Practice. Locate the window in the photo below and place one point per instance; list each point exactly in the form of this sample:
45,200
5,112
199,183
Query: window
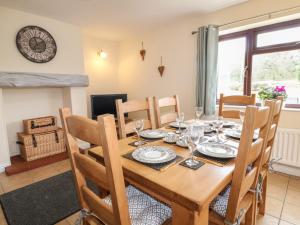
232,67
264,56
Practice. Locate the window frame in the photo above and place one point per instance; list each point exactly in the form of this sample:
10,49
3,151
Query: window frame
252,49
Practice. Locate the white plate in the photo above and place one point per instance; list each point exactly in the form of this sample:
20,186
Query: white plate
228,124
152,134
182,143
218,150
154,154
236,133
176,125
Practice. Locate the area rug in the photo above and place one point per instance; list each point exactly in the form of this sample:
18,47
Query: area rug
43,203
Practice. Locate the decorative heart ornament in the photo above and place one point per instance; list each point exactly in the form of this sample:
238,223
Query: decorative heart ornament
143,52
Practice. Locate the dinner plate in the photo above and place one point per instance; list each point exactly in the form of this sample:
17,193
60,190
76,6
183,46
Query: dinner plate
152,134
183,142
236,133
176,125
153,154
218,150
229,124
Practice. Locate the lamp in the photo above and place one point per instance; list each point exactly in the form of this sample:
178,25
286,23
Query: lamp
102,54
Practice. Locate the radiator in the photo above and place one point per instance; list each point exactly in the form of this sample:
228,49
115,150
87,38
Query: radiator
287,147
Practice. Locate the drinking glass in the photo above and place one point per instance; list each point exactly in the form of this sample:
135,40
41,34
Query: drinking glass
242,116
198,113
138,127
195,133
179,120
217,125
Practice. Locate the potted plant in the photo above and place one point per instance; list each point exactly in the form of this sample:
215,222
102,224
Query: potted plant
267,93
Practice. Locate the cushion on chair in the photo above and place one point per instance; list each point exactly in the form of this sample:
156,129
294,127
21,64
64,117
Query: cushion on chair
143,209
219,204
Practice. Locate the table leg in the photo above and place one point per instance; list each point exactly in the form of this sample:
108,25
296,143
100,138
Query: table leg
182,215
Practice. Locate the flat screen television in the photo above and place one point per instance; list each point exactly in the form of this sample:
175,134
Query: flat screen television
102,104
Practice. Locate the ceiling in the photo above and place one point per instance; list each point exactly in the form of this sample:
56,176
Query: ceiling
117,19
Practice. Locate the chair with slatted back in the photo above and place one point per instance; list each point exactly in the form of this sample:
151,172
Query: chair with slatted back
123,206
167,117
267,154
134,106
234,100
238,200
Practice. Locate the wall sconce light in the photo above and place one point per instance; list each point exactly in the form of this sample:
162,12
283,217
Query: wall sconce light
102,54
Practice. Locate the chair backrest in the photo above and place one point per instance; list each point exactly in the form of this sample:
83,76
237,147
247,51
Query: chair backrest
273,129
245,178
168,117
234,100
134,106
109,177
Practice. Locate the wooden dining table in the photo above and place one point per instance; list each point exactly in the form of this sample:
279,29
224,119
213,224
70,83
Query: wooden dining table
188,192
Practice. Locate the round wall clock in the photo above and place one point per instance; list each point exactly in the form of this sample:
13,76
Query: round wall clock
36,44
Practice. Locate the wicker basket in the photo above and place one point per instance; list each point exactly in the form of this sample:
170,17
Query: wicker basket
36,146
40,125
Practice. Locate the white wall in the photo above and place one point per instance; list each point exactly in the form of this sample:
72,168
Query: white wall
69,56
178,48
103,73
26,103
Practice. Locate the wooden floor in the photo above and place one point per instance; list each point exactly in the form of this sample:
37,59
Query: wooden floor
283,201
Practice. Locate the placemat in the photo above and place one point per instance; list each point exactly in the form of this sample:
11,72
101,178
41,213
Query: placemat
218,160
195,167
144,142
158,166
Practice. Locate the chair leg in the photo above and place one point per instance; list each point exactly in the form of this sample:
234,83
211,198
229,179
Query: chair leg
262,204
250,218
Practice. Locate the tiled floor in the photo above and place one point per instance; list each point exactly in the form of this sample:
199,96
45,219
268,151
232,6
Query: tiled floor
283,196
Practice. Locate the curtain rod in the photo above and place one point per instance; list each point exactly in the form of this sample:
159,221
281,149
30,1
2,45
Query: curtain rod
255,17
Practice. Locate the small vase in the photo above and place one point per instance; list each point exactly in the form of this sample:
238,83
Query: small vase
262,103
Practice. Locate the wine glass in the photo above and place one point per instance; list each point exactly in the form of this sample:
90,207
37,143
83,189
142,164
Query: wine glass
138,127
179,120
218,125
195,133
242,116
198,113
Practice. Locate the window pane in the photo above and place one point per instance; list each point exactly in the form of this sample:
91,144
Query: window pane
231,61
278,37
278,69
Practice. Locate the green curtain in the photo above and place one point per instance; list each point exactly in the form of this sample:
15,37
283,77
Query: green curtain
207,56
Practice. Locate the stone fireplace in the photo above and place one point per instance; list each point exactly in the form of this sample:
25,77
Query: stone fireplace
49,91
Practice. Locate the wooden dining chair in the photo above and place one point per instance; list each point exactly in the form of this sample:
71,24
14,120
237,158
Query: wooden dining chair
124,205
268,151
238,201
168,117
237,100
123,108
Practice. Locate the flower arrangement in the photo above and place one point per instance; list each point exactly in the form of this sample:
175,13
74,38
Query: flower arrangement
266,93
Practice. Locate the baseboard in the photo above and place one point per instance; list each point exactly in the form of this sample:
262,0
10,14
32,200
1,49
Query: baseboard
290,170
2,166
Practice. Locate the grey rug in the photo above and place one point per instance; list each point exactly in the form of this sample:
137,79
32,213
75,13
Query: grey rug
43,203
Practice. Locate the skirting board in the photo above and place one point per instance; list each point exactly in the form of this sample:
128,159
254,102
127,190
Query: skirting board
2,166
295,171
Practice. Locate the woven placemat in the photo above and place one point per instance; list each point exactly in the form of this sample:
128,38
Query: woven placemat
218,160
157,166
145,141
195,167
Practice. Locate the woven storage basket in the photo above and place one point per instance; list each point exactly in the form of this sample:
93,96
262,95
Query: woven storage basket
36,146
40,125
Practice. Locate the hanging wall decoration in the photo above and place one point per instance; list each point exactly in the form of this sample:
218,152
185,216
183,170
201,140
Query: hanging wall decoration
143,52
161,68
36,44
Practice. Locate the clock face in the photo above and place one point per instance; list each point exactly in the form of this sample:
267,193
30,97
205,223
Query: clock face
36,44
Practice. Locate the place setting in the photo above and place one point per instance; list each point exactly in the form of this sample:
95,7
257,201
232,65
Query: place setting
154,156
145,136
